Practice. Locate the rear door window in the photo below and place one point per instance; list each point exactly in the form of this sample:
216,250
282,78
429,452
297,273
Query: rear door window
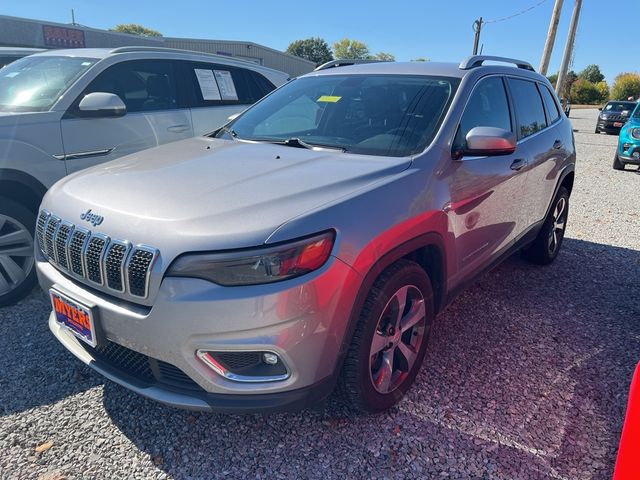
552,108
528,106
487,107
211,84
143,85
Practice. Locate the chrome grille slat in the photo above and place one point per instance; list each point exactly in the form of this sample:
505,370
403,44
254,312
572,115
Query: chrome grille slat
138,269
60,246
114,265
76,248
43,217
93,257
49,236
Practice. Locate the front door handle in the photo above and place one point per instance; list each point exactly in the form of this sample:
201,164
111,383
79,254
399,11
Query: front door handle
518,163
178,128
558,145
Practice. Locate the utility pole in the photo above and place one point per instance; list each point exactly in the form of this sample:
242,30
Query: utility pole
551,37
73,17
477,27
568,49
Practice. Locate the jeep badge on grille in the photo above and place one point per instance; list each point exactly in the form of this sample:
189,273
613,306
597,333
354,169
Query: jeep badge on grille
92,218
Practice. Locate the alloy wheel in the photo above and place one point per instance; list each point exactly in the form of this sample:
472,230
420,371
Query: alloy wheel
16,254
559,224
398,337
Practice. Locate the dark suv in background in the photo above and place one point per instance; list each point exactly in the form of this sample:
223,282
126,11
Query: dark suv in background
613,116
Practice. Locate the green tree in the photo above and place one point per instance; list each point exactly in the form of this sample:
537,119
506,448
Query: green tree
135,29
592,73
385,57
584,92
603,89
315,49
626,85
553,79
347,48
421,59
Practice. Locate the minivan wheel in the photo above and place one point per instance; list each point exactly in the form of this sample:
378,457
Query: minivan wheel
617,164
17,272
544,249
390,340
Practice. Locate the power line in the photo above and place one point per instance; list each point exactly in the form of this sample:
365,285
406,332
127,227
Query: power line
509,17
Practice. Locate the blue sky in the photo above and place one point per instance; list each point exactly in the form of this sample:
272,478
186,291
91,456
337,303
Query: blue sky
437,29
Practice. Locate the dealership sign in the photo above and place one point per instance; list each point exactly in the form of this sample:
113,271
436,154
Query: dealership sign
62,37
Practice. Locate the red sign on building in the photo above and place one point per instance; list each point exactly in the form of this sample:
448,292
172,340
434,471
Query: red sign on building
62,37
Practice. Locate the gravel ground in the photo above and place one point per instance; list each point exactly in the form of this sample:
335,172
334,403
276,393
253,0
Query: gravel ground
527,377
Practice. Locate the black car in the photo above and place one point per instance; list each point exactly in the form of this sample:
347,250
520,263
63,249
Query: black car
613,116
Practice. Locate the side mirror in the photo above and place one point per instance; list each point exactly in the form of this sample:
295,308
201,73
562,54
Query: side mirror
487,141
102,104
600,108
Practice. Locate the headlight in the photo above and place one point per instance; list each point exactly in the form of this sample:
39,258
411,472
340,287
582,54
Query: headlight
257,266
604,116
635,133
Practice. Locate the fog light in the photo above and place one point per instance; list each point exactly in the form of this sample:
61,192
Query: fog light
270,358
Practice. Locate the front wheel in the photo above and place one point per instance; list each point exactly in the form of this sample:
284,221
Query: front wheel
544,249
17,265
617,164
390,340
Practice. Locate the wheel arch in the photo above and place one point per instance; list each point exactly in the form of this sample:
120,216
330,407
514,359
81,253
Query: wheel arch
22,188
428,251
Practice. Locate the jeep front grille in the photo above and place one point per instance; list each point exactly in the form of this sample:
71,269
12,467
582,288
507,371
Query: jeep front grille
91,256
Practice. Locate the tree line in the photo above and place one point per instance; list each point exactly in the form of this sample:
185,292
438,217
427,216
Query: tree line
590,88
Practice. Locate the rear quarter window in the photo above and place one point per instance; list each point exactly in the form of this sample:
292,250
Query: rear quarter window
552,107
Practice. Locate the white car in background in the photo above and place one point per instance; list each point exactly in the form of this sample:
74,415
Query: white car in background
65,110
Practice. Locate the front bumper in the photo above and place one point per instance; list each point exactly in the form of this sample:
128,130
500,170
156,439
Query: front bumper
609,125
303,320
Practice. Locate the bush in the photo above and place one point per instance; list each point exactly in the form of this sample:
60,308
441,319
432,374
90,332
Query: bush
626,85
603,89
585,92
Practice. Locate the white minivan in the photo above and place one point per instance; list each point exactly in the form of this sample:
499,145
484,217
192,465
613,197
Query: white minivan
65,110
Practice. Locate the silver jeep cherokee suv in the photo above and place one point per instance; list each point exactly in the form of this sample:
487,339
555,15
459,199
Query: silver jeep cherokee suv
310,242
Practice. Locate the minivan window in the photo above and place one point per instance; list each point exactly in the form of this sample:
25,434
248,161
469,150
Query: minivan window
487,107
528,106
143,85
549,103
35,83
393,115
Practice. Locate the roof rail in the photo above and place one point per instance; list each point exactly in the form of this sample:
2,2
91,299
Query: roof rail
144,48
477,61
344,62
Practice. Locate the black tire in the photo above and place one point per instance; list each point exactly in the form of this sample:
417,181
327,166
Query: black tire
544,249
597,131
617,164
25,217
356,385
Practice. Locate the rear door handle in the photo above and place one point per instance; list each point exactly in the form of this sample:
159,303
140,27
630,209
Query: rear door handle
518,163
558,145
178,128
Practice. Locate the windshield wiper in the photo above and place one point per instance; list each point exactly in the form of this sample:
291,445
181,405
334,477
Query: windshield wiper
296,142
232,133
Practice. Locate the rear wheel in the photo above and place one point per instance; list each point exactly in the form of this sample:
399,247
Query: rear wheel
617,164
544,249
390,340
17,264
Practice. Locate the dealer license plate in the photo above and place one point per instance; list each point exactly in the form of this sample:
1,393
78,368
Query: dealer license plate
75,316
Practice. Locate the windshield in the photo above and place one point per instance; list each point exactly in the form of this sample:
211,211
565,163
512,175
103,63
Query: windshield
619,106
34,84
394,115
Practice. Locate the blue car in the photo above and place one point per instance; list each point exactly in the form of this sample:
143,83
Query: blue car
628,151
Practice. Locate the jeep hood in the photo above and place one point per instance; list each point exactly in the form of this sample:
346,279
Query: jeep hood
210,194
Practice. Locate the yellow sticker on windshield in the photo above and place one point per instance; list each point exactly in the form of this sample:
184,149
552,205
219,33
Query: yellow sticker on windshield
328,98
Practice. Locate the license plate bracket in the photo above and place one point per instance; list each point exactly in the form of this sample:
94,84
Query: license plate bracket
618,124
76,316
